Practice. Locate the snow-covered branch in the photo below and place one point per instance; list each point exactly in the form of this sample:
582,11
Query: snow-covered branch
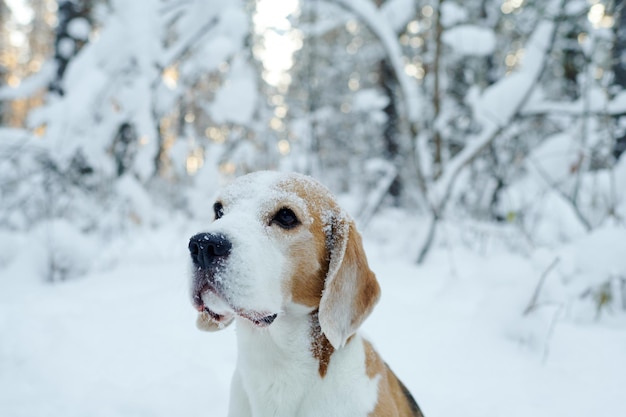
498,106
598,104
191,38
388,174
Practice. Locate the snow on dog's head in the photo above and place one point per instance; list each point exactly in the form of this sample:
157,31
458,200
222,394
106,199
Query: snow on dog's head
280,245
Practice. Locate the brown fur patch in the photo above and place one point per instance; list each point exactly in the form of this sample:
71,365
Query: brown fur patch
310,266
320,346
368,290
394,400
310,257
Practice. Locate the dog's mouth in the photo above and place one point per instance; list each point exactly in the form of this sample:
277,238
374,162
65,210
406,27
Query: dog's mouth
258,319
209,300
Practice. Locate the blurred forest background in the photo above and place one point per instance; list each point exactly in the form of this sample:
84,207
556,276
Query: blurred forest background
117,115
479,144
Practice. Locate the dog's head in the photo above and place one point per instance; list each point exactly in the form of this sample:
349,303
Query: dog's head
280,245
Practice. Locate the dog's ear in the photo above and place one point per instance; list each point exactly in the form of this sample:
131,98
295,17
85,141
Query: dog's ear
208,324
350,289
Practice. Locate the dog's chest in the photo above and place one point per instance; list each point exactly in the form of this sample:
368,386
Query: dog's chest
275,378
288,384
276,392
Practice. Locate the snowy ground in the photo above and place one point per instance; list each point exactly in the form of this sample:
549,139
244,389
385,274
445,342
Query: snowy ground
122,341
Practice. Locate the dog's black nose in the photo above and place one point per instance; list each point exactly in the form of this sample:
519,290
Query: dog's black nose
208,249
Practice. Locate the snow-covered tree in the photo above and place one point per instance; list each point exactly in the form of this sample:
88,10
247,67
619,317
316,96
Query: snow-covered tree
98,152
448,108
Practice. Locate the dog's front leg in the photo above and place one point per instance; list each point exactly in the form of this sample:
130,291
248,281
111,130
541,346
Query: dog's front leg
239,403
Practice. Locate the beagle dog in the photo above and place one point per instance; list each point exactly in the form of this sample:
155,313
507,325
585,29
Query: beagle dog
286,263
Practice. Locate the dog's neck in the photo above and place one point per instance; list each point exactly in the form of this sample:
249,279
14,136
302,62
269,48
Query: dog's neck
286,364
290,369
290,339
276,364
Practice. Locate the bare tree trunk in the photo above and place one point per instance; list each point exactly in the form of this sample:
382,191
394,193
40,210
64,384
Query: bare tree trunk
619,48
390,131
619,64
438,162
314,162
389,85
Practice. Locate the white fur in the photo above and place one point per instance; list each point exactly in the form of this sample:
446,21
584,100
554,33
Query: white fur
277,375
252,276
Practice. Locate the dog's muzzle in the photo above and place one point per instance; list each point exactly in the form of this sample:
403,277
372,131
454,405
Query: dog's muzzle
209,252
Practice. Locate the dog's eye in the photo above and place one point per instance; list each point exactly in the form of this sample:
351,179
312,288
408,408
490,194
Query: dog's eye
218,209
286,218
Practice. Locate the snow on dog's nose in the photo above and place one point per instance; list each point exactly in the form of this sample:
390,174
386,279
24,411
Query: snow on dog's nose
208,250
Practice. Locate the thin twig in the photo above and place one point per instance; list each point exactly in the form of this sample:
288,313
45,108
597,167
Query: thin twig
579,214
430,237
546,346
532,304
375,199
